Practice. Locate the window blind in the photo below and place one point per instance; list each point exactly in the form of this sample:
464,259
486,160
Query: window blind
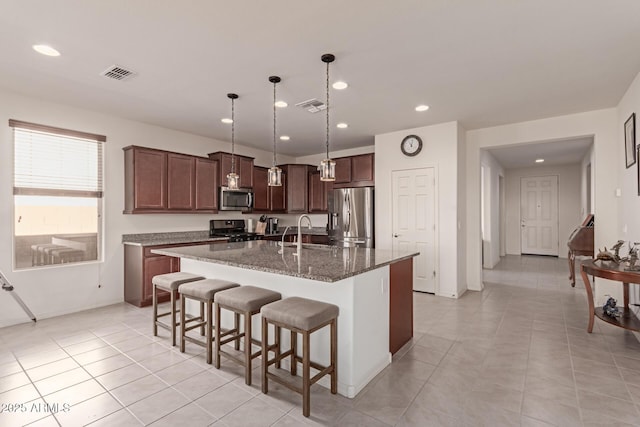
55,163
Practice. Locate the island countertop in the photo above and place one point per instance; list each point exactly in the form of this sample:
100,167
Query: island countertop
319,262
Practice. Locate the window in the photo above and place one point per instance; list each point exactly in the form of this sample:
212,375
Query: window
57,194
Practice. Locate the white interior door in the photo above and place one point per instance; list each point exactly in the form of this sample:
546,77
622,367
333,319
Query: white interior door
539,215
414,222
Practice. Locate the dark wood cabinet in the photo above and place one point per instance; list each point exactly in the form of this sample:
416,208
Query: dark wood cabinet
180,182
318,193
355,171
145,176
400,304
266,198
243,166
206,185
296,188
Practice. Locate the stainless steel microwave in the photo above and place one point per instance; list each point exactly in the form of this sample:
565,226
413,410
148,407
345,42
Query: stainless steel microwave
236,200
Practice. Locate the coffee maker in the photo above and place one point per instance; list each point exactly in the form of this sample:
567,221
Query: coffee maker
272,225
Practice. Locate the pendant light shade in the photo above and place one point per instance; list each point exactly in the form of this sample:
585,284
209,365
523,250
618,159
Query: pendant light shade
232,177
275,173
327,166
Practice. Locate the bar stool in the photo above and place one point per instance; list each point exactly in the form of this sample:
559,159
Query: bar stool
245,301
169,282
300,316
203,291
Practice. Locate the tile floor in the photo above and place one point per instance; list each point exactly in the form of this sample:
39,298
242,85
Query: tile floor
515,354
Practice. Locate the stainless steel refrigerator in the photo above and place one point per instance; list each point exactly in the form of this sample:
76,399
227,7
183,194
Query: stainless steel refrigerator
350,218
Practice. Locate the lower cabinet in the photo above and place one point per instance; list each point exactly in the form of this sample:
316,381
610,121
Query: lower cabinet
140,265
400,304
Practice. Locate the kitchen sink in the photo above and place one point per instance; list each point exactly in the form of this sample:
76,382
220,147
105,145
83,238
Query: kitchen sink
313,246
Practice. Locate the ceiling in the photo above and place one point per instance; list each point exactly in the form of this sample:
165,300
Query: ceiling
560,152
481,62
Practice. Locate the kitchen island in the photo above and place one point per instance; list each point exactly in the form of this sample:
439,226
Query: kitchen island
375,309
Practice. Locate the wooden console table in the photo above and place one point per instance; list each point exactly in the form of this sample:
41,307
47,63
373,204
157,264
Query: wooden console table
611,271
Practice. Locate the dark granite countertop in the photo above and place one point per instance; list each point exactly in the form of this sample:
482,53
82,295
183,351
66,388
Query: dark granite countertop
316,231
319,262
153,239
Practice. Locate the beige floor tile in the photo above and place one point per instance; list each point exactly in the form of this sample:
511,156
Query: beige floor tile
11,367
190,415
254,413
75,394
138,389
602,384
121,418
95,355
89,411
32,360
162,360
25,393
201,384
420,414
107,365
179,372
122,376
609,407
156,406
223,400
83,347
51,369
550,411
485,414
24,413
49,421
60,381
548,389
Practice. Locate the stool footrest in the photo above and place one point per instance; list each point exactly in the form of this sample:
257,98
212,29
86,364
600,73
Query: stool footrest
287,383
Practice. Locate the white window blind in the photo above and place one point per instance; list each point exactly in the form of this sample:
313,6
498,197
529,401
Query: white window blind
56,162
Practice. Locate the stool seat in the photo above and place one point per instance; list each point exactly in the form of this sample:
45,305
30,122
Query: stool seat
172,281
205,289
246,298
301,313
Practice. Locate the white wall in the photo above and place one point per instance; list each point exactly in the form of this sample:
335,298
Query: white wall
493,171
462,212
569,201
588,159
600,124
57,290
440,150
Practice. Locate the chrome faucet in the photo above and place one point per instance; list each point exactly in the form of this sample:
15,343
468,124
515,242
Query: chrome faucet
299,243
281,251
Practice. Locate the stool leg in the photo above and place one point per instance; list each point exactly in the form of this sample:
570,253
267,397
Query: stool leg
334,356
202,318
182,320
217,344
236,327
294,350
154,299
247,347
306,375
209,331
277,351
265,355
173,317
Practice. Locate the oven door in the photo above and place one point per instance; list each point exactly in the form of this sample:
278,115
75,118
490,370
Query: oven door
236,200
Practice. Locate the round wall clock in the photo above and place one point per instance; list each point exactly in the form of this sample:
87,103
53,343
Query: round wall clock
411,145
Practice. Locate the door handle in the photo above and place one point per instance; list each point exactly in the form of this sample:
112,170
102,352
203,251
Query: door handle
395,235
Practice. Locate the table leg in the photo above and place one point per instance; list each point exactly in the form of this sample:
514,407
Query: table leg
625,298
587,286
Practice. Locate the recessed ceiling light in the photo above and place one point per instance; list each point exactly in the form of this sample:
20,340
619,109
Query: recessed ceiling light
45,50
226,120
422,107
284,138
539,160
340,85
281,104
342,125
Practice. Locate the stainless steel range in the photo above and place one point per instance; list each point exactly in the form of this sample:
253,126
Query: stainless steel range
233,229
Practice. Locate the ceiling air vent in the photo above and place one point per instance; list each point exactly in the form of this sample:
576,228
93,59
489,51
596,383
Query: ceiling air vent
312,105
117,72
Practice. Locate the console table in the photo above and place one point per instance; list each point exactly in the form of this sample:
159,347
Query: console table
611,271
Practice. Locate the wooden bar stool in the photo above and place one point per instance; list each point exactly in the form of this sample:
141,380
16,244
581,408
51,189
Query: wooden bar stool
300,316
169,282
245,301
203,291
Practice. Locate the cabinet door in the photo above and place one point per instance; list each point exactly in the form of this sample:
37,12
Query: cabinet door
297,188
225,168
150,177
157,265
317,201
260,189
206,182
278,196
180,183
343,170
362,168
245,171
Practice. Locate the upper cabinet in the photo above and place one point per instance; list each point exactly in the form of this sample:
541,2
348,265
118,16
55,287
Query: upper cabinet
266,198
318,192
355,171
158,181
243,166
296,188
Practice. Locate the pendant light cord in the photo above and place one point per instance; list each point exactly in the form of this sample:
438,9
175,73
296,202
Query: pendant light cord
274,124
327,110
233,140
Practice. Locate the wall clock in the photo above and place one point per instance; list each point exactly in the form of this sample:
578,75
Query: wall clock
411,145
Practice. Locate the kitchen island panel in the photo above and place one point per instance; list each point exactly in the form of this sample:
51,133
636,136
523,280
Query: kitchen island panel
363,323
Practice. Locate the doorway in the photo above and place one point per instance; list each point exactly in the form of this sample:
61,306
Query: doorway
414,222
539,215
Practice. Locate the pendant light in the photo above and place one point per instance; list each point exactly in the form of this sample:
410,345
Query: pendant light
275,173
232,177
327,166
